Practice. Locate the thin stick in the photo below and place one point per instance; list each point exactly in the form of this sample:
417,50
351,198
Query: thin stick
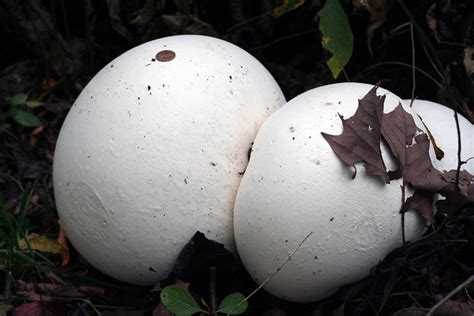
413,76
458,168
398,63
283,38
345,75
447,297
274,272
258,17
403,186
370,303
17,182
436,62
212,290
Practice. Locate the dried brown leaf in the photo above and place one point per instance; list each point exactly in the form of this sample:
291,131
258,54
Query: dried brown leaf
378,11
64,249
360,139
147,13
422,202
30,309
464,182
419,170
455,308
398,130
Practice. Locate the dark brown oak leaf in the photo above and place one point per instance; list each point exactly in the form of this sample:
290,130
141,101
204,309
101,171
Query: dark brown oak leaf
419,170
464,182
398,130
360,139
422,202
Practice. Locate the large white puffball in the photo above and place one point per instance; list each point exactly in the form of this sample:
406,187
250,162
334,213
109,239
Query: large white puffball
441,123
295,185
153,150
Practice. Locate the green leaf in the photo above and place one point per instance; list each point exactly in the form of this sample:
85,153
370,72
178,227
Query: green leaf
19,99
26,119
284,6
230,304
179,301
337,35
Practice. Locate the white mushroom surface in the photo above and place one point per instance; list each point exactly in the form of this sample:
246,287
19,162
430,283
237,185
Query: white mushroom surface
442,125
295,185
153,150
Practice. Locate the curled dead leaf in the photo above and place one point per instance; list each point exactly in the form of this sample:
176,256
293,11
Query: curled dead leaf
64,249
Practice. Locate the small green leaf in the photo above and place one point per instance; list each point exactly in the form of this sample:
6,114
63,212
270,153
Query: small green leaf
230,304
19,99
26,119
284,6
179,301
337,35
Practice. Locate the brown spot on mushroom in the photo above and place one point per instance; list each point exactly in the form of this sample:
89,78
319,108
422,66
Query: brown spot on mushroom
165,55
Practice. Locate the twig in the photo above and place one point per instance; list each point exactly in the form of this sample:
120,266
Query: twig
414,299
409,309
258,17
436,62
398,63
458,168
447,297
273,273
399,29
212,290
413,76
17,182
283,38
466,291
440,41
403,187
66,22
345,75
370,303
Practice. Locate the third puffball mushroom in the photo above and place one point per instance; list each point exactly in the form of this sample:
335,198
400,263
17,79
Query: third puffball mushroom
295,185
440,121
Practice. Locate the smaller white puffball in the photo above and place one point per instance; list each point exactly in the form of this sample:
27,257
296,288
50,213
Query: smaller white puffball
441,123
295,184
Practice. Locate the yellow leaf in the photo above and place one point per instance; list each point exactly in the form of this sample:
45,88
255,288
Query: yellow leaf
40,243
326,39
283,6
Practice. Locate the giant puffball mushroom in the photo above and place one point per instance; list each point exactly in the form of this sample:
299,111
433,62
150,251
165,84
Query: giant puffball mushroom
295,185
153,150
442,125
